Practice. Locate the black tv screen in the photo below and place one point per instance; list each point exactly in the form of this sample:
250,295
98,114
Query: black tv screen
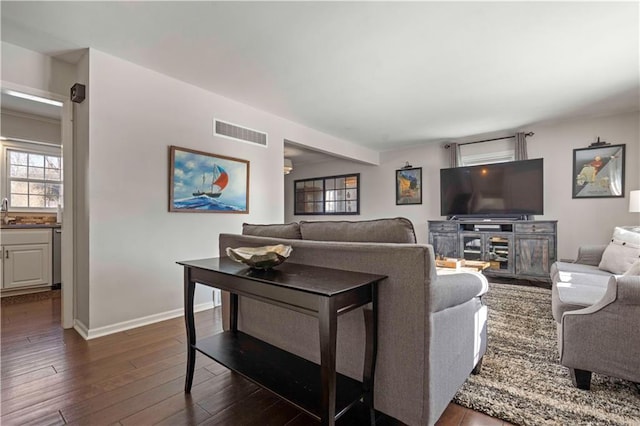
500,189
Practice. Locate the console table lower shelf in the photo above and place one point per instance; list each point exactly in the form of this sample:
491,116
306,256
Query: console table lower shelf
291,377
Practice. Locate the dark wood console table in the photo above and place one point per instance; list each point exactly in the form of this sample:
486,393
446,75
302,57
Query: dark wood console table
321,292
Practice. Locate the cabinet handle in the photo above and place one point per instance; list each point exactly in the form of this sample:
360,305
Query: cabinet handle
7,254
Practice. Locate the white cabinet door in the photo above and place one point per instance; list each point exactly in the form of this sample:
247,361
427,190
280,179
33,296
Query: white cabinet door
26,265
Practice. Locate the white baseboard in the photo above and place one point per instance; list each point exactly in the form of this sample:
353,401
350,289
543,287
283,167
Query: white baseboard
89,334
81,329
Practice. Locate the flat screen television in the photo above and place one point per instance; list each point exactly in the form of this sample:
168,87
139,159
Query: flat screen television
496,190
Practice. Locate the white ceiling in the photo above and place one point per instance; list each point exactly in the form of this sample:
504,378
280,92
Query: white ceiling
380,74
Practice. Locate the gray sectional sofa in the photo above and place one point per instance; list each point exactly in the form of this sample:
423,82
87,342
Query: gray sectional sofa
431,329
597,310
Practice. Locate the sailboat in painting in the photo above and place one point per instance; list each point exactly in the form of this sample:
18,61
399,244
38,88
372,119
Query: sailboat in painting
219,181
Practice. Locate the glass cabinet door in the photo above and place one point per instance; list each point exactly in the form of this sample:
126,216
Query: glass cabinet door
499,252
471,246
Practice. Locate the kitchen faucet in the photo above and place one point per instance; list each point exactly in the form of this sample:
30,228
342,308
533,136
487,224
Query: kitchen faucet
5,210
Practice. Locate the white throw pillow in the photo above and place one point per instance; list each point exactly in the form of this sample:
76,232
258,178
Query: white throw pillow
627,234
618,258
634,270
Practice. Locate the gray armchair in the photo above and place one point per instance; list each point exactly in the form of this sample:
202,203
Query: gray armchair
598,316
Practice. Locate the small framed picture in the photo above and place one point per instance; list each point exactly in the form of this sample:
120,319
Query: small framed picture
598,172
409,186
200,182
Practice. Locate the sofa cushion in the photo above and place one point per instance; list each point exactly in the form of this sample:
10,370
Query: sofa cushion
569,267
577,290
287,230
392,230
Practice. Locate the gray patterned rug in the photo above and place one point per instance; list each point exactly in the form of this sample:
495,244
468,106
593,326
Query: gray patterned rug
522,381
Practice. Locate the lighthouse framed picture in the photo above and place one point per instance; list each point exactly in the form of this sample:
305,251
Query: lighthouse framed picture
200,182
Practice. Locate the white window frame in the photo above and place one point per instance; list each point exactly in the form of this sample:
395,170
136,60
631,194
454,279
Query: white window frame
31,147
499,151
488,158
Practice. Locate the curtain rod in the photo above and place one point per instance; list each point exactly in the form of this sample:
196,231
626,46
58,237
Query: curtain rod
489,140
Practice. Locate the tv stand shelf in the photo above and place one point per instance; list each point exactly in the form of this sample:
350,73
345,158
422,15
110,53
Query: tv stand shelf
515,248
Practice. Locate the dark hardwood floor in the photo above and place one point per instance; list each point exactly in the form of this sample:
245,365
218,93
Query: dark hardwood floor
51,376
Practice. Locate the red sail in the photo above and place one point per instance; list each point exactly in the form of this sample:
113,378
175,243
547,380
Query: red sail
222,180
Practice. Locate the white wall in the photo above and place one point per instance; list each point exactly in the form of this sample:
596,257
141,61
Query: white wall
135,114
34,70
580,221
81,177
586,220
30,127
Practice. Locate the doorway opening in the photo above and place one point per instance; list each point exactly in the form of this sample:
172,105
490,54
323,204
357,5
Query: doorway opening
37,181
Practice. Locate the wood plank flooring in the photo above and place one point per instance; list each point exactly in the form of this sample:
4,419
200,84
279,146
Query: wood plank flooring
51,376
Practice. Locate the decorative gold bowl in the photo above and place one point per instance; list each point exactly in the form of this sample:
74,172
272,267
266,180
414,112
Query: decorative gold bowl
260,257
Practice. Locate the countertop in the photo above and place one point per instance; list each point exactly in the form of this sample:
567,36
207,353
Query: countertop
31,226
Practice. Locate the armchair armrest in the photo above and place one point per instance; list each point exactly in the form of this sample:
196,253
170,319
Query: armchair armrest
603,337
629,289
455,289
623,289
590,255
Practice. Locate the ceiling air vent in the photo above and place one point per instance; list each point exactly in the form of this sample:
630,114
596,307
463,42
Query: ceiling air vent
233,131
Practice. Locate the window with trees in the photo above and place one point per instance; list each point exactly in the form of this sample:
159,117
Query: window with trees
33,178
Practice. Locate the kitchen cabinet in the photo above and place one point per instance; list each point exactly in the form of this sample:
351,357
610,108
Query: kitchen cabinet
26,258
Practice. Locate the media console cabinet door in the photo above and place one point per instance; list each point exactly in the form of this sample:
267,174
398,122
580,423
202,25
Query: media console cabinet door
444,244
535,254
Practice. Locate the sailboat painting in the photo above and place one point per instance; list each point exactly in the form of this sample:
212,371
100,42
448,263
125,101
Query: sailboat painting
200,182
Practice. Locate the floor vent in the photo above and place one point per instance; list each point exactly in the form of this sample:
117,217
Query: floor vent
232,131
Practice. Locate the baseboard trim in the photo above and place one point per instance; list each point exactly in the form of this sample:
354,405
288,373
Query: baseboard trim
89,334
81,329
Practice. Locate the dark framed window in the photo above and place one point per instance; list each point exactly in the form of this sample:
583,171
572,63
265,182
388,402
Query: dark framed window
329,195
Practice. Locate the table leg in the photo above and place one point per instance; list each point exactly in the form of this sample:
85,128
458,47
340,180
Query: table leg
233,312
328,327
189,290
371,349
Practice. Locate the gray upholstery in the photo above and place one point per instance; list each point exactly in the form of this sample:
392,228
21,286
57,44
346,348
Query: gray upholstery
590,255
598,315
395,230
431,329
287,230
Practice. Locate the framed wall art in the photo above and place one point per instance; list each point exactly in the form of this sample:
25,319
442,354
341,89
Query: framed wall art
409,186
200,182
598,172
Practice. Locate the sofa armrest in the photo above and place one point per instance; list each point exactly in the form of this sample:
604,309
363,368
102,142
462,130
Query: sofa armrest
455,289
590,255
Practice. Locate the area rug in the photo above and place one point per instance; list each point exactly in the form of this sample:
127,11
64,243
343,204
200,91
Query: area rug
522,381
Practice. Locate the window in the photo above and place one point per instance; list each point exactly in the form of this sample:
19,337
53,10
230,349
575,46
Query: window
487,152
339,195
34,179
